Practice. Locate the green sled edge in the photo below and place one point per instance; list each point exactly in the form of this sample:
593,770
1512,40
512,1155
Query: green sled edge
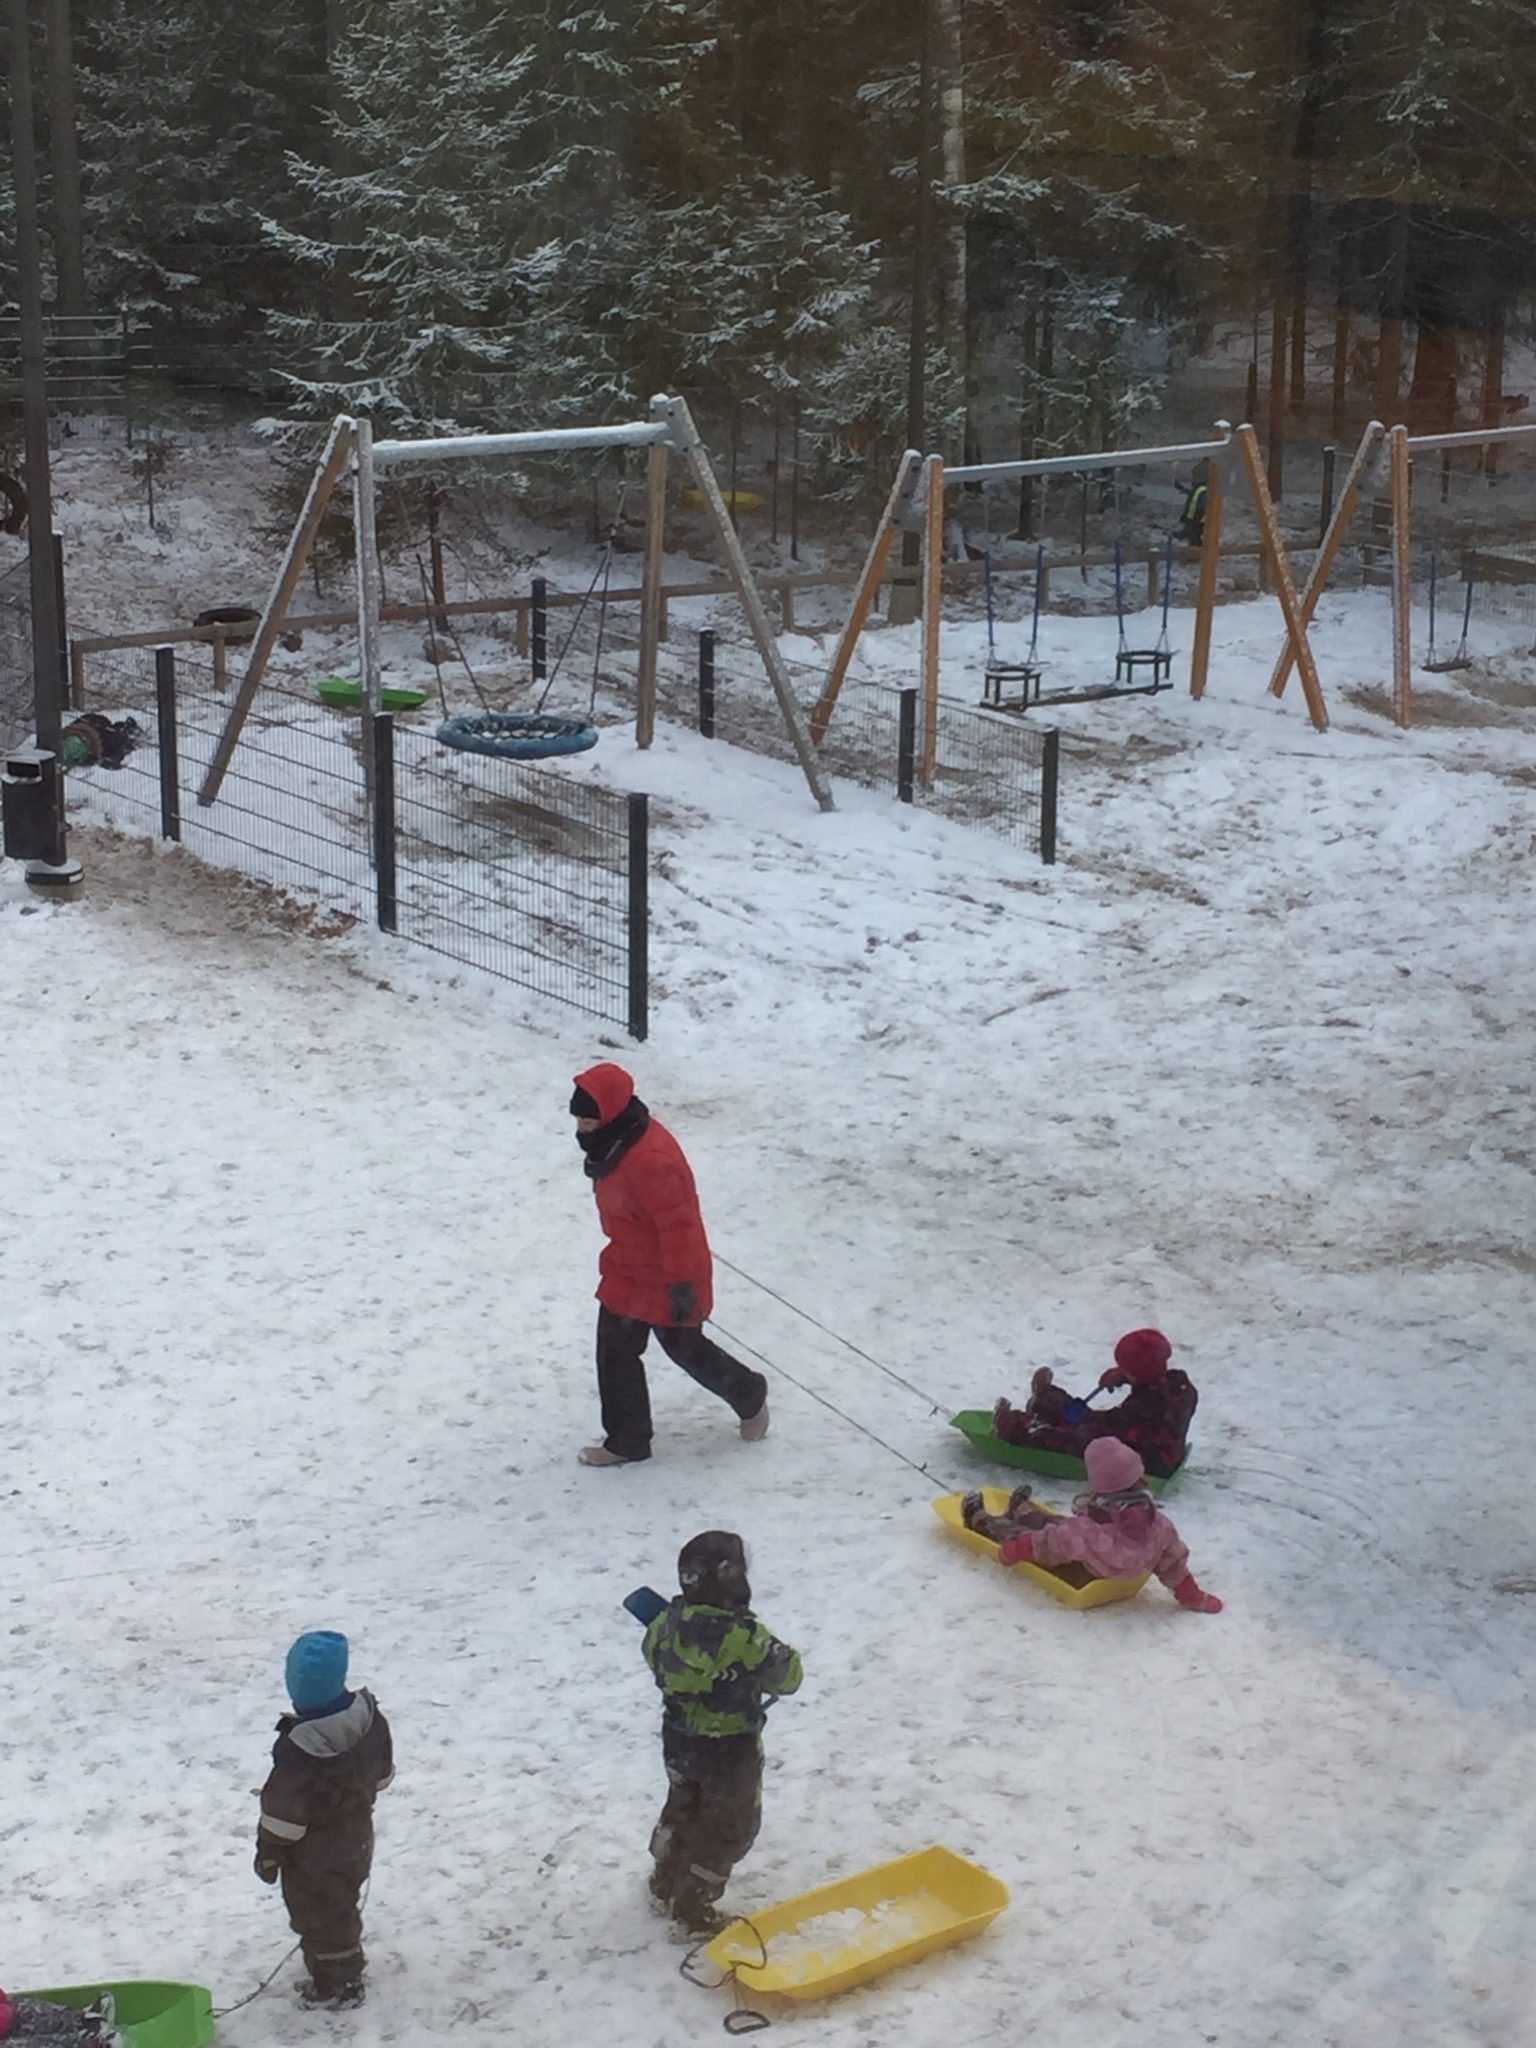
975,1425
149,2015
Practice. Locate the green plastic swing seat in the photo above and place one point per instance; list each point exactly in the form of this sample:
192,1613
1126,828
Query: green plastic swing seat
975,1425
345,694
148,2015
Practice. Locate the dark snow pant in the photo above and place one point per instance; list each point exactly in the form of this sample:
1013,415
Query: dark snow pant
321,1893
710,1821
621,1383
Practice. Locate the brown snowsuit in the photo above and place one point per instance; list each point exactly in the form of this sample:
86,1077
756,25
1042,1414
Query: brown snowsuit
316,1831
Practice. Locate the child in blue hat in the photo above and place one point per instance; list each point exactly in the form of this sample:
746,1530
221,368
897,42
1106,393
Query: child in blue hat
332,1757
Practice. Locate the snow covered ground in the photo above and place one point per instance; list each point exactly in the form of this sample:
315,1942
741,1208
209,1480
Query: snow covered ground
298,1260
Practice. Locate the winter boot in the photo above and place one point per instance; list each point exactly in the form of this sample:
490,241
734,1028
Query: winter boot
755,1427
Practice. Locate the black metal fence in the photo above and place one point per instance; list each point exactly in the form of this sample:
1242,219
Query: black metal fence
531,875
991,770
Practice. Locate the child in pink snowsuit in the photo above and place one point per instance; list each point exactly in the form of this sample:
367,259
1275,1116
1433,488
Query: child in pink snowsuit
1115,1530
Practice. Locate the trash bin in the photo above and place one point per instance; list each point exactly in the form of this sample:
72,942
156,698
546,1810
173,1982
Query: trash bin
30,804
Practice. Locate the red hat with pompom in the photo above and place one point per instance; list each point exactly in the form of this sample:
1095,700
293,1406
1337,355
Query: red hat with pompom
1143,1355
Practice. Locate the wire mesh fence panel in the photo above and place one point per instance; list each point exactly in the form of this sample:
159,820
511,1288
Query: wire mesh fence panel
521,871
990,772
292,810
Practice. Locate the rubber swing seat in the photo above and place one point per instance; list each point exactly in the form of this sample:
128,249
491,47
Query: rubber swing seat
516,735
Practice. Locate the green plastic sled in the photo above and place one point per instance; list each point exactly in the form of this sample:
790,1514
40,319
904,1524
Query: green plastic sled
975,1425
148,2015
346,694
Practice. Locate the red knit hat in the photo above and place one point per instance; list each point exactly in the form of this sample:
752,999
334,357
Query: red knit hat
1143,1355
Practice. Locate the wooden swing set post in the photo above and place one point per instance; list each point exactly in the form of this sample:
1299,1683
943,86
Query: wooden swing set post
328,473
1280,568
933,606
1210,565
1328,549
674,416
657,464
1402,576
892,522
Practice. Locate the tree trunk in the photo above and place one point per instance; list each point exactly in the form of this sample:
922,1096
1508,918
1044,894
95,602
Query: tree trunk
64,156
1493,389
1394,297
1277,398
950,80
1432,394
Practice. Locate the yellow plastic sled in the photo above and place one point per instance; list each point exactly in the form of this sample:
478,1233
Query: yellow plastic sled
1068,1583
815,1945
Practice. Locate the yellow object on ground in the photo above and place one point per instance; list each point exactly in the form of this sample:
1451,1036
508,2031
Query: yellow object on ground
735,501
844,1933
1069,1584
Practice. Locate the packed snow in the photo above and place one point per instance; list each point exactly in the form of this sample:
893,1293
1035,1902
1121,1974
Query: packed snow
299,1260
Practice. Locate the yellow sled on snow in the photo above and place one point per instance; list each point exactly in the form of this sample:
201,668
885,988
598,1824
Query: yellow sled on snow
844,1933
1068,1583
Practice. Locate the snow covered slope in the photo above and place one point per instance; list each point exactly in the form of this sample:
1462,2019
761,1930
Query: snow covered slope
298,1259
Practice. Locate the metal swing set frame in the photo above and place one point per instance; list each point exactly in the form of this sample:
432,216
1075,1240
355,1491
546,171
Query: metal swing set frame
351,451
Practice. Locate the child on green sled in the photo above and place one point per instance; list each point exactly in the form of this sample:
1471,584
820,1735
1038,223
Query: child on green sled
1153,1418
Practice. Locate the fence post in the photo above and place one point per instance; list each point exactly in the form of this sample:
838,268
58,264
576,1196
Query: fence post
906,745
707,682
639,915
384,820
62,653
1050,764
1325,512
540,628
165,720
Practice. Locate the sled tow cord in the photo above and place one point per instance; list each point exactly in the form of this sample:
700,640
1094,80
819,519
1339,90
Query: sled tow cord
847,1345
841,1413
223,2011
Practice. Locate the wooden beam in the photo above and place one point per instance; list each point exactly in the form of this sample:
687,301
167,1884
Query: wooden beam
684,435
1210,563
866,589
657,460
1280,569
1402,576
328,471
933,609
1327,554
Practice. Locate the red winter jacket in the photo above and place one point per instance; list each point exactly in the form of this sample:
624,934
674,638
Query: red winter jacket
649,1209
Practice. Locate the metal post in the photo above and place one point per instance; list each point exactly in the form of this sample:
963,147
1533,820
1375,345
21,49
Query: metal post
1325,512
63,617
370,595
540,628
639,916
1050,768
906,746
385,892
48,651
165,721
707,682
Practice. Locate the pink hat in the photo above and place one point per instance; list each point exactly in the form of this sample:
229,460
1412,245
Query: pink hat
1113,1467
1143,1355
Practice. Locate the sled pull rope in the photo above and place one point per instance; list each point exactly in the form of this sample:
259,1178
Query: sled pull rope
832,1408
742,2018
222,2012
806,1317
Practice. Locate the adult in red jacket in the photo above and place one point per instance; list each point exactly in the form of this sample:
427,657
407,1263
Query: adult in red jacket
655,1272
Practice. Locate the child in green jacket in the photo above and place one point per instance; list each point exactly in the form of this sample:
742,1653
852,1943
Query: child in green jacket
719,1670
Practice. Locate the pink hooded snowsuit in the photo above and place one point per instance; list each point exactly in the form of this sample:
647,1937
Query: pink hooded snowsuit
1118,1533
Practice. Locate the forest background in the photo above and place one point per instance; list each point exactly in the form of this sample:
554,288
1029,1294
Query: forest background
991,226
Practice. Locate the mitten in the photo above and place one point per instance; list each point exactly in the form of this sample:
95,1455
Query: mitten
267,1866
1114,1377
684,1302
1018,1549
1189,1595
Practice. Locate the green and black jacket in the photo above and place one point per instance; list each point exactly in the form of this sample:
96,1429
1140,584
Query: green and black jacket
718,1668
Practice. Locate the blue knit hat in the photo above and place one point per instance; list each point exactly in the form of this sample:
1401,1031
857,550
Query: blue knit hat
316,1670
